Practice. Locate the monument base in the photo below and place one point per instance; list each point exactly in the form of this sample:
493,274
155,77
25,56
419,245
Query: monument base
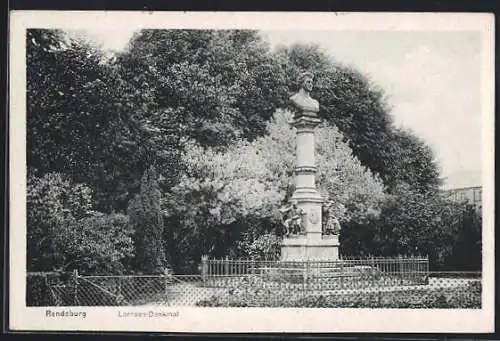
301,248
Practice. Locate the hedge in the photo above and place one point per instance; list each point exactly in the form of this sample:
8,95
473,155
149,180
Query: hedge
463,297
37,291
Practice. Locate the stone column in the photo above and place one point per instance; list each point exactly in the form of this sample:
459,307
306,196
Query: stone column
314,245
307,196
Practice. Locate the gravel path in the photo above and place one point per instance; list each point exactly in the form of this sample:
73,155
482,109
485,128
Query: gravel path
186,294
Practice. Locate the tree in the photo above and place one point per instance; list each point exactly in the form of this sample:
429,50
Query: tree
218,196
466,254
340,175
86,120
73,127
417,223
104,120
65,117
100,244
266,246
217,85
361,111
197,106
146,218
65,233
413,163
226,196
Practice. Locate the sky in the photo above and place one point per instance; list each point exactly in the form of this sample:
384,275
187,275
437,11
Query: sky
432,78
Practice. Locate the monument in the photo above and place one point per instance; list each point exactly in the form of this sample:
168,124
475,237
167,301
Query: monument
306,237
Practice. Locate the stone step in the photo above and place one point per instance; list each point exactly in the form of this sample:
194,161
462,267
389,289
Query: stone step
350,271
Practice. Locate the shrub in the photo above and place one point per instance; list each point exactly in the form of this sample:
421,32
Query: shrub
223,195
53,202
100,244
264,247
411,222
37,289
251,292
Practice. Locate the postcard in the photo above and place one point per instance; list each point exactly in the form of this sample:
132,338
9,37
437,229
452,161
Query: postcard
251,172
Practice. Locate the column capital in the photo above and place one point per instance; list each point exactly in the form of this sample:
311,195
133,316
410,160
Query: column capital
305,170
305,122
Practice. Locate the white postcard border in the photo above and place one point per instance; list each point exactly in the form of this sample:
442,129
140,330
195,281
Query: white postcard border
184,319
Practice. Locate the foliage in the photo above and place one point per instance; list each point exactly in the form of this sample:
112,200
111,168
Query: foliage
436,298
212,86
265,247
147,221
340,176
52,204
37,291
198,106
60,78
225,194
413,163
344,180
218,84
360,109
249,291
88,120
466,253
100,244
420,223
218,197
104,120
64,232
252,292
75,123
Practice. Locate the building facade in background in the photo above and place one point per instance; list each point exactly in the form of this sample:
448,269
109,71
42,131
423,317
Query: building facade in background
464,187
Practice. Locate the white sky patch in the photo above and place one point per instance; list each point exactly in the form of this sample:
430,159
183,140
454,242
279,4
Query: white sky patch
432,79
112,40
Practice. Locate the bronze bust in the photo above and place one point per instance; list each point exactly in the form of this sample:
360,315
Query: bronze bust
302,100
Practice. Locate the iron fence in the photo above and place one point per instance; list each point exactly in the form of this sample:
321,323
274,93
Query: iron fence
441,290
259,289
321,275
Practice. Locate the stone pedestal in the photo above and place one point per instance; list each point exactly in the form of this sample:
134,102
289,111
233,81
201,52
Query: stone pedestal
301,248
313,245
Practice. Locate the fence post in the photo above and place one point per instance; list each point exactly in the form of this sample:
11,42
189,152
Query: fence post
397,267
427,274
165,282
75,283
373,270
204,268
120,284
342,274
226,266
308,275
414,269
280,273
406,262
